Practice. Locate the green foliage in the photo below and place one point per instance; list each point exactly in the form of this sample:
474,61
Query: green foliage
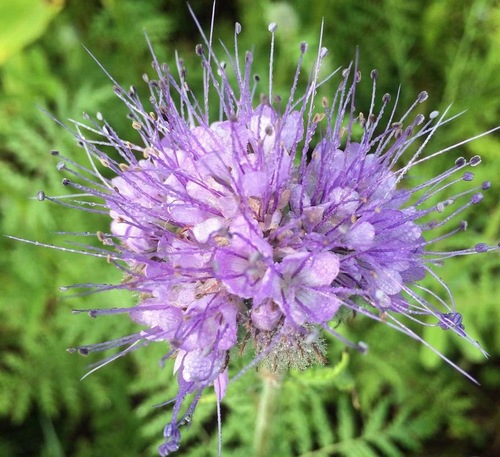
22,22
399,399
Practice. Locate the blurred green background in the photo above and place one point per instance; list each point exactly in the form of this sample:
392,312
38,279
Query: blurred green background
399,399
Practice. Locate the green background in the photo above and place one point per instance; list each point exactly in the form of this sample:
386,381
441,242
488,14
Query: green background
399,399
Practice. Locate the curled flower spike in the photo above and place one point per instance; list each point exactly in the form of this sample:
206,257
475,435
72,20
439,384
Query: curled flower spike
272,221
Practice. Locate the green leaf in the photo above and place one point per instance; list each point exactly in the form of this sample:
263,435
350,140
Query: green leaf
24,21
346,423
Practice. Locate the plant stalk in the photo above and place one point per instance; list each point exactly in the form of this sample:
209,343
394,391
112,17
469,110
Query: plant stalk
272,383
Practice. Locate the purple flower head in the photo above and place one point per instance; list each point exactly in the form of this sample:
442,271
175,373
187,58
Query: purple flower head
272,219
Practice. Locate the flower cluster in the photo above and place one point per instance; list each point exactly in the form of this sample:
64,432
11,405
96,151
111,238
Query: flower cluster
268,224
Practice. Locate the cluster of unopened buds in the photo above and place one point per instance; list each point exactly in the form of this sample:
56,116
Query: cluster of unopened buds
270,224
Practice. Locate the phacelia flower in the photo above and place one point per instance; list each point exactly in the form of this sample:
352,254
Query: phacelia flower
269,223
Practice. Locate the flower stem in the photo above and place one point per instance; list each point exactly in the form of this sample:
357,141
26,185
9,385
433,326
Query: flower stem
267,406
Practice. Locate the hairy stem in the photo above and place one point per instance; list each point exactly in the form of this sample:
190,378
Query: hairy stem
267,406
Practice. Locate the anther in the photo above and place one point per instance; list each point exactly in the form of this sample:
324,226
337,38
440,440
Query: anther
486,185
361,119
463,226
476,198
419,119
433,114
374,74
460,162
303,47
422,96
468,176
40,196
221,69
451,320
386,98
54,152
60,166
475,161
318,117
100,236
362,347
272,27
481,247
237,28
66,182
